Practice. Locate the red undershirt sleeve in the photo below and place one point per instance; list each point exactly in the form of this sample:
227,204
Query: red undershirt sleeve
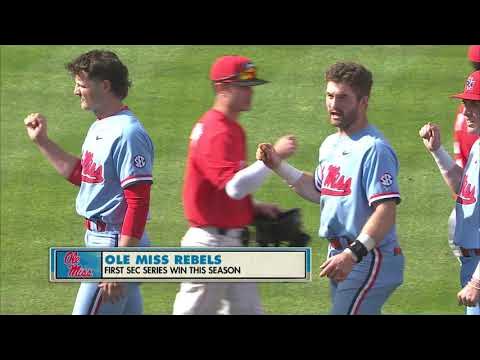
137,197
76,175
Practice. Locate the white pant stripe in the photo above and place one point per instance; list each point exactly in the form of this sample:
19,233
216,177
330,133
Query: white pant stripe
96,302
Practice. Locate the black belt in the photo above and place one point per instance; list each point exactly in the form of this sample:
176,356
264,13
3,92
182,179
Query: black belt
470,252
240,233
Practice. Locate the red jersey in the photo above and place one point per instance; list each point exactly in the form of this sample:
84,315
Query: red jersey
217,151
462,140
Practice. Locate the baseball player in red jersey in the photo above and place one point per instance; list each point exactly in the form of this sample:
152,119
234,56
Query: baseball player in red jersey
217,187
463,141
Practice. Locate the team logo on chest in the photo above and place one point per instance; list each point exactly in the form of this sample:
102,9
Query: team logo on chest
335,184
466,195
91,173
139,161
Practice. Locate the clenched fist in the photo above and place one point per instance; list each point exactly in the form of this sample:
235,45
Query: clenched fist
286,146
266,153
272,155
36,127
430,133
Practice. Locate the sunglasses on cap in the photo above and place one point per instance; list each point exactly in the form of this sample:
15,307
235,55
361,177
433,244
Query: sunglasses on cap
247,74
246,77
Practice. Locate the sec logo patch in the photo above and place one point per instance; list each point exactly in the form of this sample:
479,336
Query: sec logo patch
139,161
386,179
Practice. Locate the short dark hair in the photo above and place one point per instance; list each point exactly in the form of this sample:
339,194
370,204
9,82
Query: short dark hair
103,65
358,77
476,65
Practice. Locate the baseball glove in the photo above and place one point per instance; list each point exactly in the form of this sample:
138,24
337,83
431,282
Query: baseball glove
286,230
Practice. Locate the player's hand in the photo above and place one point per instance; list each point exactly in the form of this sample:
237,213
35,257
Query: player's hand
112,291
267,154
36,127
270,210
286,146
430,133
337,267
468,296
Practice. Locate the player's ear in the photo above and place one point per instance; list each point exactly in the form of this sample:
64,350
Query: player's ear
221,88
216,87
364,102
106,85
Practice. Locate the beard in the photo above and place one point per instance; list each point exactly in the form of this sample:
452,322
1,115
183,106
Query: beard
345,120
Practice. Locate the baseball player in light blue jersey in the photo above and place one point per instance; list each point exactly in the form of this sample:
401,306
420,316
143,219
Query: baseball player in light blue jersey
465,183
356,185
114,174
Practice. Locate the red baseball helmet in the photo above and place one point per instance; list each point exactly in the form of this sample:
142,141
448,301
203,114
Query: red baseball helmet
474,53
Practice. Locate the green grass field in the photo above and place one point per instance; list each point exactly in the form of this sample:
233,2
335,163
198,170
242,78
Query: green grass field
171,90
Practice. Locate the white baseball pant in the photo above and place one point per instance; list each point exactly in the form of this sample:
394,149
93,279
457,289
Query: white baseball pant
215,298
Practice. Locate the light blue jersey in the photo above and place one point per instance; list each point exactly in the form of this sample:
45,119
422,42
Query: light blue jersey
467,229
354,172
117,152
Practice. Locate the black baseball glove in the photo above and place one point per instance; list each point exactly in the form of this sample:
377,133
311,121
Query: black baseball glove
286,230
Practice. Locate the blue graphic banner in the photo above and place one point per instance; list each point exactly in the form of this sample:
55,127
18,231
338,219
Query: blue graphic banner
264,264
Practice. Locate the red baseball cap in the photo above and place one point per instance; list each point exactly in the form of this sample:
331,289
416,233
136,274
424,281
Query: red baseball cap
472,88
235,69
474,53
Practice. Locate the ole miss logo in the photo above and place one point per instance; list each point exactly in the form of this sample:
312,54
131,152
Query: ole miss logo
466,195
72,260
91,173
470,83
335,184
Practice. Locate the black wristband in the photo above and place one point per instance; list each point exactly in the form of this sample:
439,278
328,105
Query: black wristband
359,250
